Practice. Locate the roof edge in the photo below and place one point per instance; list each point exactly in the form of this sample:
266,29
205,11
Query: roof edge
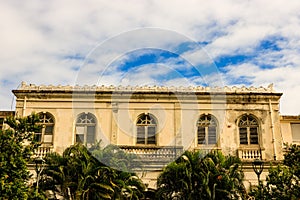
111,88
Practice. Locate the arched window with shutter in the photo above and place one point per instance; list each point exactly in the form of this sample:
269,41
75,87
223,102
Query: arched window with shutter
46,120
85,128
248,130
207,127
146,129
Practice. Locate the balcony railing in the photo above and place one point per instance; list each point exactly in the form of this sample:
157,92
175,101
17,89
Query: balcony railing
42,151
207,149
166,153
250,153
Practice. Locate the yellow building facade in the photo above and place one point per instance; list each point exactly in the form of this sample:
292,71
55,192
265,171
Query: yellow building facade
158,123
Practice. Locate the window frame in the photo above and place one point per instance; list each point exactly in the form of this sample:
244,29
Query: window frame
295,136
205,123
85,124
46,120
145,125
248,123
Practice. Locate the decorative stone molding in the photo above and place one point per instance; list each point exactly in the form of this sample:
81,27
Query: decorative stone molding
120,88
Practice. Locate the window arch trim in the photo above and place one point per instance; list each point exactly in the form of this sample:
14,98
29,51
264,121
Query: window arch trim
82,118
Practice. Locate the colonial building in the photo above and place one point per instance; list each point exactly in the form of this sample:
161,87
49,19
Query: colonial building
158,123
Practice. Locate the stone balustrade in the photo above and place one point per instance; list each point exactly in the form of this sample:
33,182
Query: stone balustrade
251,153
167,153
42,151
206,150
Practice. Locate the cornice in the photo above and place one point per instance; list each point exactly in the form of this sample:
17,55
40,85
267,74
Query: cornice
146,89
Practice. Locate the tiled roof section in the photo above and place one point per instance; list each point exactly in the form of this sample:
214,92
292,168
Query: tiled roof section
233,89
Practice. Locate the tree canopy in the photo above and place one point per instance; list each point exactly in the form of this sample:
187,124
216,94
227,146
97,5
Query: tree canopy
283,180
79,174
198,176
16,148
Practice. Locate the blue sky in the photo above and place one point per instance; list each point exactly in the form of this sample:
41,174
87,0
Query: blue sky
234,43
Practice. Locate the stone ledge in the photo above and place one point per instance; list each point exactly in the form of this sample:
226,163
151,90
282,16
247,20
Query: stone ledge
111,88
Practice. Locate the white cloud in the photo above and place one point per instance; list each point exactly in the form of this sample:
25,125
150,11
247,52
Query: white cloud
37,37
286,80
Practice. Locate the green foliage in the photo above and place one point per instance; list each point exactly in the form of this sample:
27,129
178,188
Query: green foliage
283,181
116,158
77,174
16,148
195,176
127,184
292,158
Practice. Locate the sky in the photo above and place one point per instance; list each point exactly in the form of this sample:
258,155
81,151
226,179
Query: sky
154,42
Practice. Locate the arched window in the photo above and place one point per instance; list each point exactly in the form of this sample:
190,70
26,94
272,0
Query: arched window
85,128
248,129
207,129
46,134
146,129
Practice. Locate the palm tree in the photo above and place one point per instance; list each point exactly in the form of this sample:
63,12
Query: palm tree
55,176
115,157
127,184
77,174
181,178
225,180
196,176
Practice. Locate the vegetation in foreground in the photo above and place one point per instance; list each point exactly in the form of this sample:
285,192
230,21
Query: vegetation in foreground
16,148
196,176
106,173
77,174
283,180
